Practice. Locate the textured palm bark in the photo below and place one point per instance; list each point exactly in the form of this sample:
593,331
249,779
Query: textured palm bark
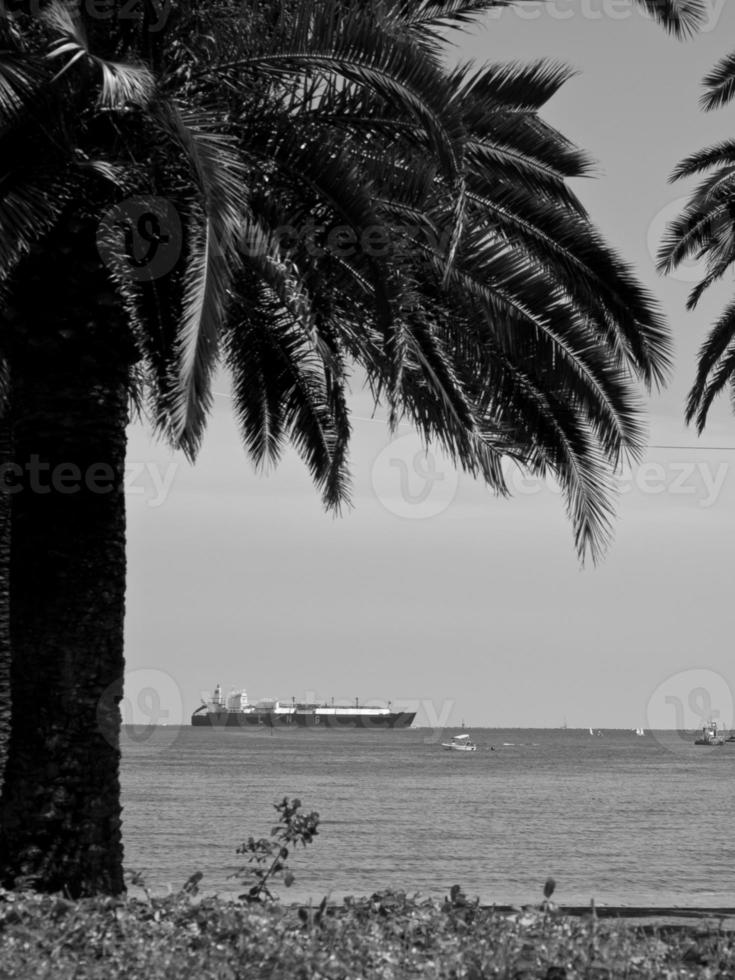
69,354
5,698
60,809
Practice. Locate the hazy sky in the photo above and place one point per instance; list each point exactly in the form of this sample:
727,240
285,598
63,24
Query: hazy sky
432,591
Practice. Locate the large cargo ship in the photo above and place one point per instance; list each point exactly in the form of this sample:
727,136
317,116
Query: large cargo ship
235,711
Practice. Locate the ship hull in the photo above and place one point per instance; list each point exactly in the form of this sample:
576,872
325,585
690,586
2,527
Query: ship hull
268,719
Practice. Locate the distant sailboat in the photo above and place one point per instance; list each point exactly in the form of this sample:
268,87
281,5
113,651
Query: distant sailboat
640,731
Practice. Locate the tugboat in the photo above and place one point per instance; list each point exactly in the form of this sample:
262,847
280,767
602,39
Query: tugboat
710,735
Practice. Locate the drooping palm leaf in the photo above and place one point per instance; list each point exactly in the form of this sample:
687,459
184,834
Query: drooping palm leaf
704,231
520,87
720,84
681,17
328,40
282,390
120,84
714,368
720,154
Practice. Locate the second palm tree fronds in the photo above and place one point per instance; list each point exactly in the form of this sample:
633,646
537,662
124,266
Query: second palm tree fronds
704,231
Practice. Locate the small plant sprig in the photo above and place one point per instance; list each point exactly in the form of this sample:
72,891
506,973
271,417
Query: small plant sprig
547,905
459,908
269,855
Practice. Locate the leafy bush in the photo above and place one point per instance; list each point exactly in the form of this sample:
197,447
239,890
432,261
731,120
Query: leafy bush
387,936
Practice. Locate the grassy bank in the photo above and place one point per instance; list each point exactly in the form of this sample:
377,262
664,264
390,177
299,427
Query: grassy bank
385,936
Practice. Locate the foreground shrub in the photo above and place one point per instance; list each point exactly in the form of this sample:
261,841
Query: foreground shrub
385,937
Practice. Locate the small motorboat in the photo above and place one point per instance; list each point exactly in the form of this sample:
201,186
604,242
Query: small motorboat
460,743
710,735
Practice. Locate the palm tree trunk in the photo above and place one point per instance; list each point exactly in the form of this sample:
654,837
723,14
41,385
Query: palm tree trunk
60,808
5,698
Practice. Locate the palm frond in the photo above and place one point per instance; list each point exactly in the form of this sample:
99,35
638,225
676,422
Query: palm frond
282,389
589,271
690,232
425,14
720,84
354,47
518,296
514,85
704,230
30,207
716,270
513,143
514,168
21,80
715,367
552,429
719,154
120,84
681,17
718,380
213,230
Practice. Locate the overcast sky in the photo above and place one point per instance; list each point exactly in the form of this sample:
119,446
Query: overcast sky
431,591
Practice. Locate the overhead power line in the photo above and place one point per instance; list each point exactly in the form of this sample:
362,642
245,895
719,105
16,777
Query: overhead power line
692,446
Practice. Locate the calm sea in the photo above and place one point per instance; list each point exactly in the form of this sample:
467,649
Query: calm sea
624,819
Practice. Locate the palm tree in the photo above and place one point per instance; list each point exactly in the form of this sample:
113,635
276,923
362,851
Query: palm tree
5,698
704,230
80,132
496,320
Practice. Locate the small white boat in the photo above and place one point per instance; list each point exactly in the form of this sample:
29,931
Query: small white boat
460,743
640,731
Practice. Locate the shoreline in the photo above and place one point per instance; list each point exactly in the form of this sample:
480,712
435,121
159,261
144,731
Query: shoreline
601,909
338,906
